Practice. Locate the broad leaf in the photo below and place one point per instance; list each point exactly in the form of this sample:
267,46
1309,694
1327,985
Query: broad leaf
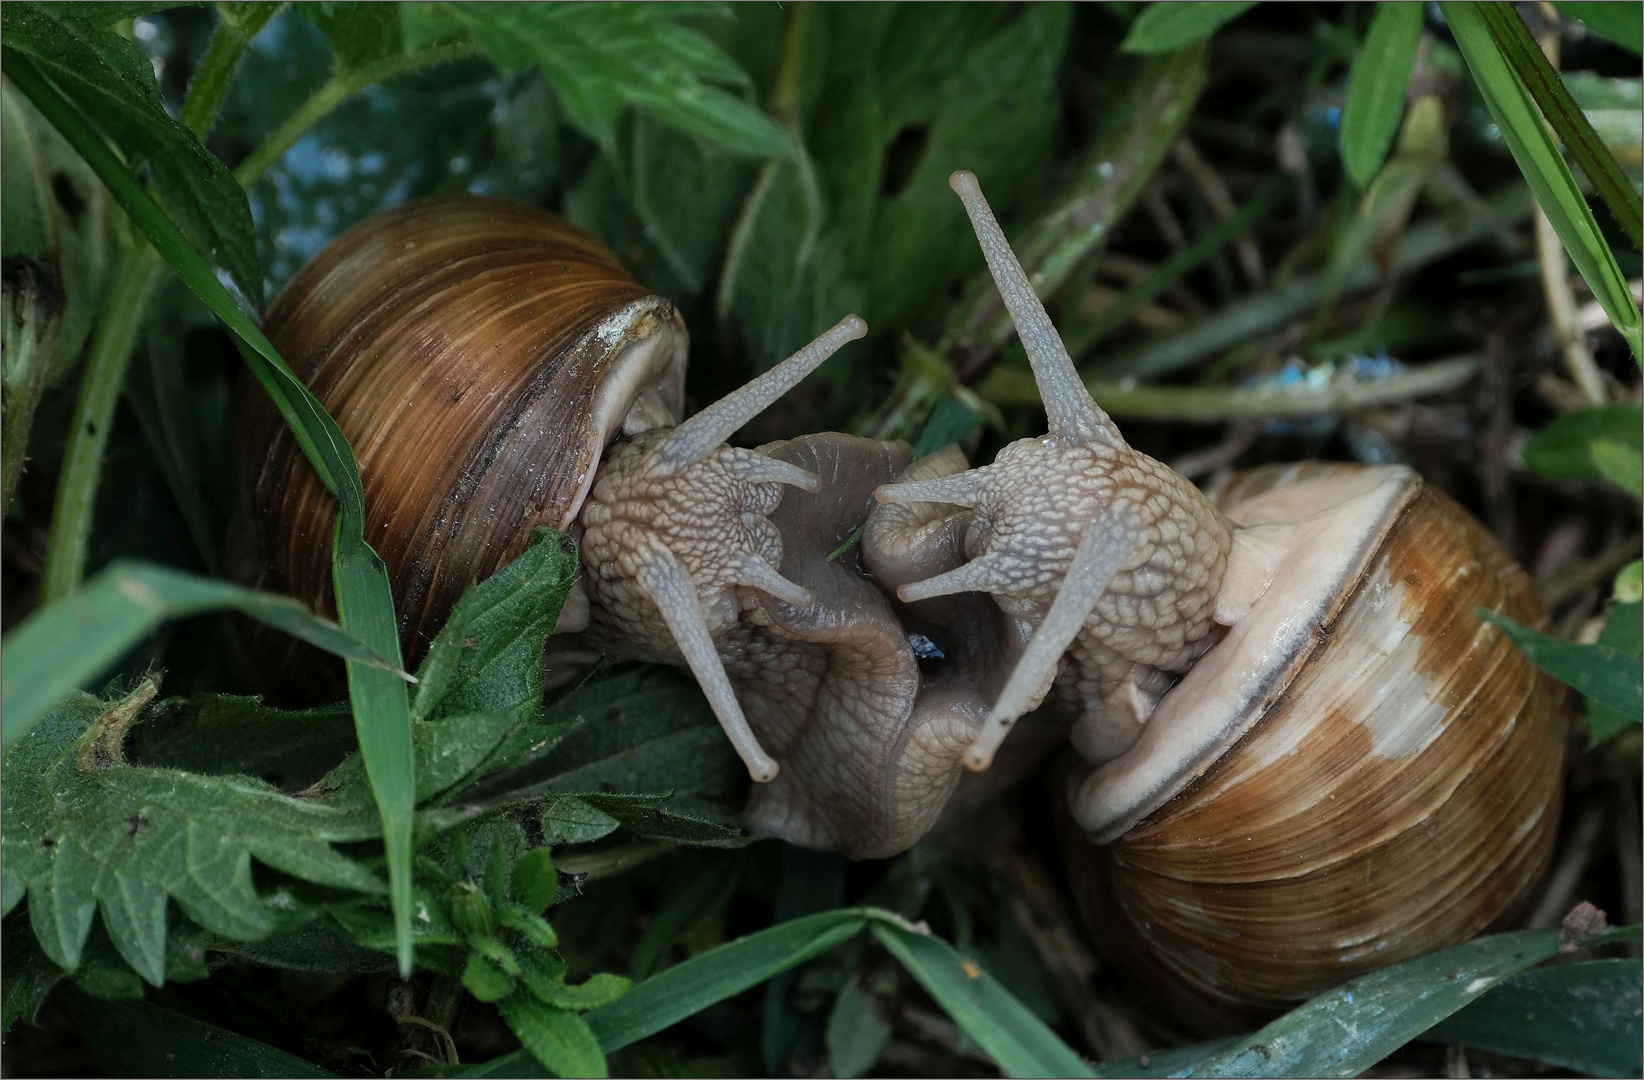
1622,23
488,656
556,1037
81,830
111,79
359,33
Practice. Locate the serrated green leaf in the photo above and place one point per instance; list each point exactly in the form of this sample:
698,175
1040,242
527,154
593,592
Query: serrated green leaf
224,734
1607,676
111,79
601,58
1018,1041
1563,449
1620,464
485,980
534,881
66,645
1619,22
1375,89
1583,1016
1345,1031
864,220
488,656
558,1038
566,819
29,975
1168,25
81,830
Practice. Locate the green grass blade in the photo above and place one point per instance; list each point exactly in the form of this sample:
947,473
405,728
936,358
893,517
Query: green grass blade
686,989
1375,90
1168,25
63,647
1622,23
382,715
135,1038
1571,125
1583,1017
1605,675
1543,167
1346,1030
1018,1041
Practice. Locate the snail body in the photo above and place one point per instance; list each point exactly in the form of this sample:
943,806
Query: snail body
496,369
1301,754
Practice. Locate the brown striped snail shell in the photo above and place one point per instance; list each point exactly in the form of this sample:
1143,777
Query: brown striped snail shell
1385,785
1303,755
479,355
495,370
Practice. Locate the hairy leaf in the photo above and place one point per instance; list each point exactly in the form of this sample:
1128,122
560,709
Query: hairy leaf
488,656
602,58
558,1038
82,831
359,33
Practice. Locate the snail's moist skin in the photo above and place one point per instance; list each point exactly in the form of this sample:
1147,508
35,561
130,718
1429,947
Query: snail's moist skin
1158,612
869,746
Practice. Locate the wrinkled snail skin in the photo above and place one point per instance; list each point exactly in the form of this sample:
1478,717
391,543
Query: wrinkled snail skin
496,369
1350,768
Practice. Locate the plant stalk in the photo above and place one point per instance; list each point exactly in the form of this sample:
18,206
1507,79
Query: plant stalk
340,87
136,275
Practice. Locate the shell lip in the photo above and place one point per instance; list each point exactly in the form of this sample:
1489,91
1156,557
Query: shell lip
642,386
1238,681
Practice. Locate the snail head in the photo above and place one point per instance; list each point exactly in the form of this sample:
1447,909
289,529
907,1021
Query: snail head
1100,548
678,532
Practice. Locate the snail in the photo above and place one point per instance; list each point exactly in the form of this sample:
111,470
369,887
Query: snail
496,369
1301,754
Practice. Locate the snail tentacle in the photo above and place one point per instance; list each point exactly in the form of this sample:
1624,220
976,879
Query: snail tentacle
960,489
1074,415
675,596
701,434
756,573
1109,542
